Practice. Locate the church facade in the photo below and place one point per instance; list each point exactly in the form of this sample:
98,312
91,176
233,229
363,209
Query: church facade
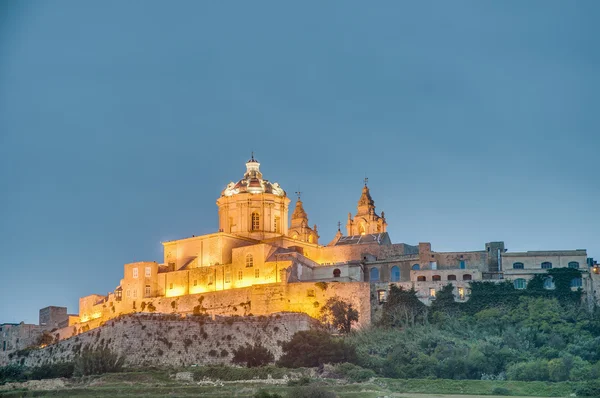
261,261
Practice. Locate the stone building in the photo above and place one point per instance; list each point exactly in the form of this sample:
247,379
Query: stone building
261,261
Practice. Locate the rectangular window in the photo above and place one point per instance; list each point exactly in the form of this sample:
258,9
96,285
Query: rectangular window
276,226
432,293
227,277
240,275
381,296
461,293
433,265
462,264
310,293
134,293
195,282
170,286
147,291
211,279
257,273
135,272
148,272
128,293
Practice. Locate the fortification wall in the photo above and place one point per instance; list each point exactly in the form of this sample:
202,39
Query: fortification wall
262,299
169,340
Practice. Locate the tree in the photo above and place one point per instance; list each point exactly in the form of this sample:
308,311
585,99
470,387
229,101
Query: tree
444,302
339,315
98,361
310,348
403,308
252,355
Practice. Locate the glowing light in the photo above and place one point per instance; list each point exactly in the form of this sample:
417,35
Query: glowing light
175,291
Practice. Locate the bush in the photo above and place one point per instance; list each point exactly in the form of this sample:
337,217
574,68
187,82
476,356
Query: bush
354,373
310,391
588,389
265,394
302,381
11,373
252,356
98,361
65,369
529,371
311,348
500,391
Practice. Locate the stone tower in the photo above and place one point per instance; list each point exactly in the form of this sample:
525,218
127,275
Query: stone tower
253,207
299,228
366,221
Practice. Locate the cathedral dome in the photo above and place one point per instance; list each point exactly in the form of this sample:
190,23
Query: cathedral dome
253,182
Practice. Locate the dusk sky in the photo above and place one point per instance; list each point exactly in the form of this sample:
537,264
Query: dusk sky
122,121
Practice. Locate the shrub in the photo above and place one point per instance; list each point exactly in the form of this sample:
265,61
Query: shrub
302,381
252,355
98,361
311,348
588,389
310,391
500,391
65,369
12,372
265,394
354,373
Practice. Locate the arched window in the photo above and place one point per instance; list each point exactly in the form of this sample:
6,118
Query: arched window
249,260
416,267
374,275
574,264
337,273
467,277
451,277
395,274
421,279
518,266
548,283
546,265
520,283
362,229
255,221
436,278
311,238
576,282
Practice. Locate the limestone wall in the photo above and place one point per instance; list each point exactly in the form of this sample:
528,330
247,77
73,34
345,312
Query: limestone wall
161,340
261,299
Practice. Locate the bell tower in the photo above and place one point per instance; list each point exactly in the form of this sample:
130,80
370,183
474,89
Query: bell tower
366,221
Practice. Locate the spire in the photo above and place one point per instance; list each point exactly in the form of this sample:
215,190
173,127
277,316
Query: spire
299,213
366,199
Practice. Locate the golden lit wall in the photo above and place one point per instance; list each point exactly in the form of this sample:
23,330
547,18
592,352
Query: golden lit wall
235,214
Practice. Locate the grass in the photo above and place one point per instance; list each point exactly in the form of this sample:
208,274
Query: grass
156,383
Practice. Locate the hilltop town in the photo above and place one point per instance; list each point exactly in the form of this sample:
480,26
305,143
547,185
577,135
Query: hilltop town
260,261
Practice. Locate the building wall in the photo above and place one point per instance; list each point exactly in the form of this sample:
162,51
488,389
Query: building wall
51,317
534,260
18,336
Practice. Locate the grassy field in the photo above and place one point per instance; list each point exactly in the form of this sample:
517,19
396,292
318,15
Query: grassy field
160,384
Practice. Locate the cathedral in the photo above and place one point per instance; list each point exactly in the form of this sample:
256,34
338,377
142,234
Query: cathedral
262,261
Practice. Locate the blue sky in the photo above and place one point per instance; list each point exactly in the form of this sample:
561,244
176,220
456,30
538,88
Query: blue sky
121,122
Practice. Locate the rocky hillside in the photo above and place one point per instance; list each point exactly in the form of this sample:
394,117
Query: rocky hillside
170,340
